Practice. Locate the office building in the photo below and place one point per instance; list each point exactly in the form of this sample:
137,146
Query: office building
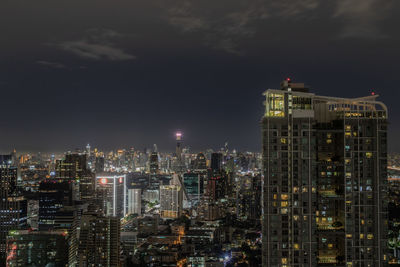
324,189
171,201
74,168
200,163
111,191
53,195
194,186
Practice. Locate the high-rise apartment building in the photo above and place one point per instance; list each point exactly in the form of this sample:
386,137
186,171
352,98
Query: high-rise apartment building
99,241
171,201
324,189
135,201
13,206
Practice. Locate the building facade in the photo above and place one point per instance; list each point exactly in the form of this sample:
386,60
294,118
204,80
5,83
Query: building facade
111,192
171,201
324,160
99,241
135,201
13,206
41,248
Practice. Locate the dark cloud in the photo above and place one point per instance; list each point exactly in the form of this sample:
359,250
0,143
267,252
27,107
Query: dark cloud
98,44
361,17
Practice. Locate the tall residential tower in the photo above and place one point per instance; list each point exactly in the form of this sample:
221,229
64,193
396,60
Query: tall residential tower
324,201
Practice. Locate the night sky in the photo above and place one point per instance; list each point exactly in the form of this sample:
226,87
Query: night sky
130,73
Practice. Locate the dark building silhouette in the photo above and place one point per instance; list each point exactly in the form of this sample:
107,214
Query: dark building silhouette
53,195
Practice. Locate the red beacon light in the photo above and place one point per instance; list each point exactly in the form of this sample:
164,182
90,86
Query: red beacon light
372,93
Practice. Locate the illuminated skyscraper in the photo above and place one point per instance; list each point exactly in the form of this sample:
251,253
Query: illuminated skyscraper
13,207
74,168
179,163
324,200
179,141
111,190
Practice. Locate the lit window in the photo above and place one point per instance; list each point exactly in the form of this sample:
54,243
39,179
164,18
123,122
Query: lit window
361,236
296,246
370,236
283,140
368,155
284,197
284,204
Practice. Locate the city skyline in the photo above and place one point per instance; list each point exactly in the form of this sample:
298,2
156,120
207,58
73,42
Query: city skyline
72,74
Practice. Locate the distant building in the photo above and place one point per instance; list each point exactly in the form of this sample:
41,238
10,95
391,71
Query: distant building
194,186
53,195
74,168
135,201
112,192
216,162
99,164
99,241
171,201
200,163
154,168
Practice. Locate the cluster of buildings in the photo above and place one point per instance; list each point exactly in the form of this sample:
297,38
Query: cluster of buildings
130,208
319,194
